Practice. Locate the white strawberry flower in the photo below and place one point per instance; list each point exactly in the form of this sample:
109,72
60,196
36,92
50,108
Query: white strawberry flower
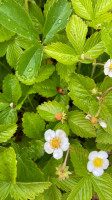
56,143
97,162
108,68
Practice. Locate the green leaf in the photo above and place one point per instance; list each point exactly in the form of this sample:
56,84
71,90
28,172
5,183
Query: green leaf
65,70
107,83
62,53
28,170
101,7
14,18
11,89
80,91
83,8
79,125
4,190
56,19
103,137
5,34
46,88
36,16
76,32
32,129
53,193
106,34
82,191
3,48
13,53
48,110
103,186
8,169
63,126
104,147
47,6
97,22
44,72
8,116
94,46
7,131
28,65
26,191
67,184
79,158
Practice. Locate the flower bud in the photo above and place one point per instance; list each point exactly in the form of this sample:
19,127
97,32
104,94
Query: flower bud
58,116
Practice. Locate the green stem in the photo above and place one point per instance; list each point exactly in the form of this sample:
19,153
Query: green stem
93,69
79,67
31,104
26,5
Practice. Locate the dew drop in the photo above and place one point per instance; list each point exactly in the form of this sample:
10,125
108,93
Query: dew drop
30,69
9,20
59,21
30,38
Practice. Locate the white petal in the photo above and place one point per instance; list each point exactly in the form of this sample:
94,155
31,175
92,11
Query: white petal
106,71
92,155
48,148
49,135
65,144
107,64
105,163
90,166
98,172
58,153
103,124
60,133
102,154
110,74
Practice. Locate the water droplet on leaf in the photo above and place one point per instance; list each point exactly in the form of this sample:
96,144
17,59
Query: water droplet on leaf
30,69
59,21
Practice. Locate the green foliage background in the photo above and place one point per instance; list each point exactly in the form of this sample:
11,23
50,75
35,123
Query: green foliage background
49,55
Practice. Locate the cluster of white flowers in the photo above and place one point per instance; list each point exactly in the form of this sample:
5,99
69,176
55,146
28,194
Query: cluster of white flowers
56,143
108,68
97,162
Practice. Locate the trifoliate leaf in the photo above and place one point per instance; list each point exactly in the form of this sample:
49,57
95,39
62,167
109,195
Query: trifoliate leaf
83,8
80,91
33,125
62,53
48,110
8,169
11,89
79,125
14,18
7,131
46,88
82,191
76,32
103,186
56,19
28,65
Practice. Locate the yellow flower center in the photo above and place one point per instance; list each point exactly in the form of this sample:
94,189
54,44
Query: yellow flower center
55,143
110,67
98,162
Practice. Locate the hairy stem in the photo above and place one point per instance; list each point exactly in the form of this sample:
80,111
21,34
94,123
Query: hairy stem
64,164
26,5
